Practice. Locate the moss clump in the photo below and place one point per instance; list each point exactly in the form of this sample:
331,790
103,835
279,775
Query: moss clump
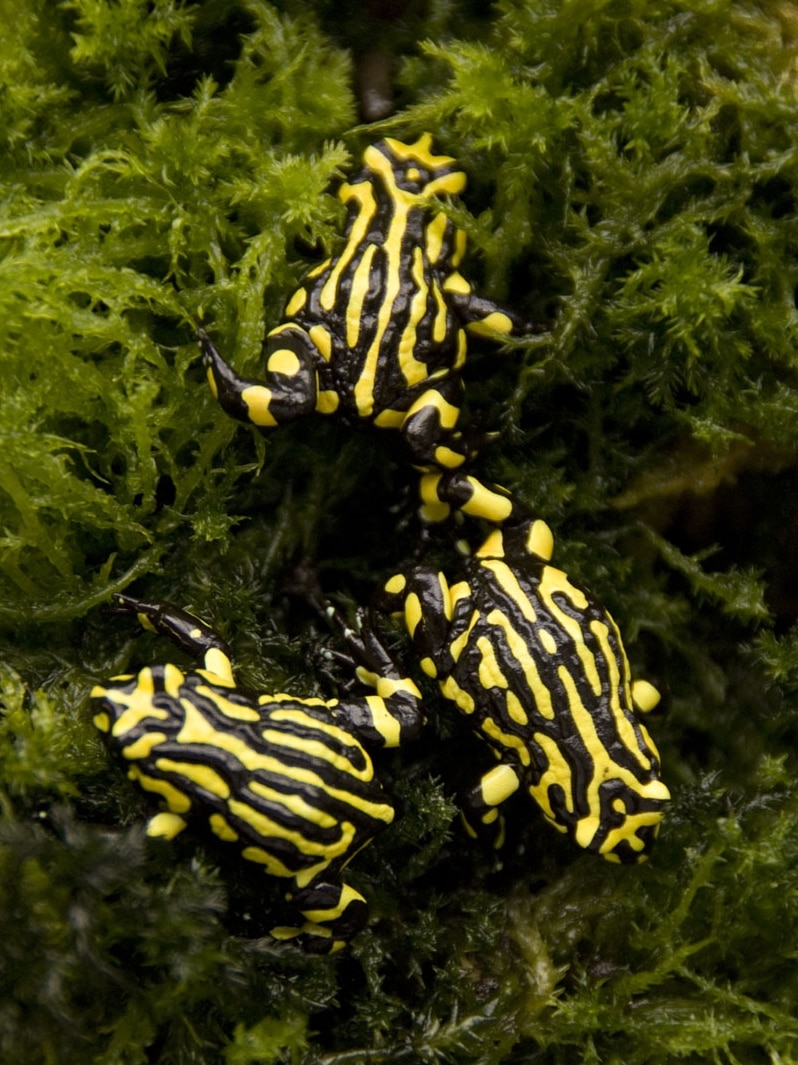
633,177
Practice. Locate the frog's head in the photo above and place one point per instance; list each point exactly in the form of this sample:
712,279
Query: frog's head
413,169
611,813
133,710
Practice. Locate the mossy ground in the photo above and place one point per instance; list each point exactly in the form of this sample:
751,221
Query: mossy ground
633,174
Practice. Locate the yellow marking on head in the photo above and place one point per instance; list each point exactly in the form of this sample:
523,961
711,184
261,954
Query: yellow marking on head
177,802
498,784
138,705
627,832
506,741
645,696
483,503
540,540
322,341
413,613
165,825
455,282
361,280
493,547
284,361
257,399
495,322
489,672
396,585
201,775
218,666
450,689
101,720
222,829
297,301
143,746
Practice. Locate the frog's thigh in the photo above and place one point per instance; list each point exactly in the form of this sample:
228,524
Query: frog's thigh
429,427
442,492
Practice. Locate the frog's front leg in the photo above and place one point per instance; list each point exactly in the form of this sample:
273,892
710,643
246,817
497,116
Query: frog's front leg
480,804
333,913
288,389
483,316
392,716
430,608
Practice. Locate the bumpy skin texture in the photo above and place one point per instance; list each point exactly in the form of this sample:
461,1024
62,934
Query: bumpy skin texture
377,334
287,780
539,669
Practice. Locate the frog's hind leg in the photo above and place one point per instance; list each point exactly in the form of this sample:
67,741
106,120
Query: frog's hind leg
453,490
185,630
333,913
287,390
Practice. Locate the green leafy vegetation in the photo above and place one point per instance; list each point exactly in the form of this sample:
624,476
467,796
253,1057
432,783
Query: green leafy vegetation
633,169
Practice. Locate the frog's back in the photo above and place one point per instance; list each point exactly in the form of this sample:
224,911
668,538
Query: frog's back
275,775
550,678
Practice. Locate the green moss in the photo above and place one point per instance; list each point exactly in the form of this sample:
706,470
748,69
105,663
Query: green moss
633,172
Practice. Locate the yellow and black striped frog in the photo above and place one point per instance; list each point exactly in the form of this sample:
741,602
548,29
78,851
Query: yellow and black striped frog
287,780
376,335
539,669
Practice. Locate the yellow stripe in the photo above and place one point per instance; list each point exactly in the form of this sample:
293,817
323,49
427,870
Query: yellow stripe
294,804
392,249
521,653
554,580
265,827
363,195
201,775
142,747
458,645
230,709
623,720
450,689
414,370
357,295
508,582
489,672
178,802
507,741
557,772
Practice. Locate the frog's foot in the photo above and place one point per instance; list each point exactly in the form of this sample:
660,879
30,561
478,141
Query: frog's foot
445,492
333,913
184,629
